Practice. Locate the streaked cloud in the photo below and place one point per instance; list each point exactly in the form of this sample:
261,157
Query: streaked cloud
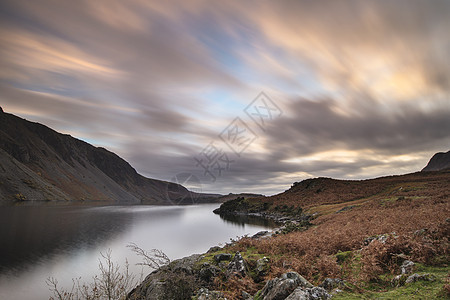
364,85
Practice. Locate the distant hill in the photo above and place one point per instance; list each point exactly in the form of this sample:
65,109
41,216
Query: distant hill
232,196
40,164
440,161
330,194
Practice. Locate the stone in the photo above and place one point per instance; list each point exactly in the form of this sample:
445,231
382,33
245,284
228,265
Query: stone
407,267
399,280
163,281
237,266
382,238
214,249
314,293
280,288
208,272
416,277
222,256
260,234
262,266
330,284
205,294
246,296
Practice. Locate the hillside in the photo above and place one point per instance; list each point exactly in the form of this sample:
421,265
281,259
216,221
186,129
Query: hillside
40,164
326,193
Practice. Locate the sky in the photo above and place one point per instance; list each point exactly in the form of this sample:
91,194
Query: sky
236,96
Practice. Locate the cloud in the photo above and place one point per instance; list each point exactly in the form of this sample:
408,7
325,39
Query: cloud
364,86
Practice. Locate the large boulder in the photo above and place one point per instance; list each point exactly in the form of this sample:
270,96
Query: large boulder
174,281
314,293
222,256
282,287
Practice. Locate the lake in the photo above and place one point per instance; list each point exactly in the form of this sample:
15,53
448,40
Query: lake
65,242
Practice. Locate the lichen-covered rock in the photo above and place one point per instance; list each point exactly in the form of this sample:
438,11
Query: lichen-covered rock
399,280
262,267
222,256
280,288
330,284
416,277
314,293
237,266
214,249
205,294
169,282
246,296
382,238
407,267
208,272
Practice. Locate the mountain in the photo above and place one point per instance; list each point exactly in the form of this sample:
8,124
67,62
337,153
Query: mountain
439,161
40,164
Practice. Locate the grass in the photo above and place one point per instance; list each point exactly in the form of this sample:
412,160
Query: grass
333,208
416,290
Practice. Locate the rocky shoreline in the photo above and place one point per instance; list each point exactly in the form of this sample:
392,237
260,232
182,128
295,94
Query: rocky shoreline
194,276
281,215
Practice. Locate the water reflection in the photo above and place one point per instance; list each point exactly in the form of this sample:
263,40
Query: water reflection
65,242
242,220
35,233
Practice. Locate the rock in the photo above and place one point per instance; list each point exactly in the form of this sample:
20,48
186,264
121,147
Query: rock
260,234
222,256
155,290
314,293
205,294
382,238
208,272
399,280
169,280
280,288
407,267
246,296
214,249
262,266
330,284
237,266
416,277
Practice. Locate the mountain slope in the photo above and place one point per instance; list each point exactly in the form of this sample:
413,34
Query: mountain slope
38,163
439,161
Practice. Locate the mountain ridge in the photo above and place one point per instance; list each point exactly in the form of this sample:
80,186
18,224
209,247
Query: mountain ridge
38,163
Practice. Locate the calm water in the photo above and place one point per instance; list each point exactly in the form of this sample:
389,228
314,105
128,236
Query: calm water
65,242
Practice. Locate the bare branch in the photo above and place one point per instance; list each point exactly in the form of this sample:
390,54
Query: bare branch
154,258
